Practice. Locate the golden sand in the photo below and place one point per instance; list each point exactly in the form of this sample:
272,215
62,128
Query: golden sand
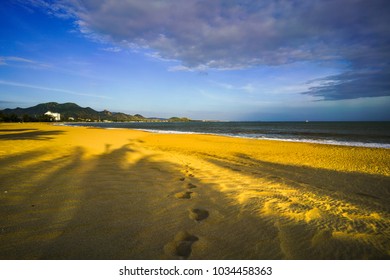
83,193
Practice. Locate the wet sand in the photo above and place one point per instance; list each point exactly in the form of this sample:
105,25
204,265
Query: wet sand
85,193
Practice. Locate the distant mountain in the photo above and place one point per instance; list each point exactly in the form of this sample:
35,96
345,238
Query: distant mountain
71,112
66,110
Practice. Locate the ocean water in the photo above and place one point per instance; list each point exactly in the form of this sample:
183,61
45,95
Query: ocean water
366,134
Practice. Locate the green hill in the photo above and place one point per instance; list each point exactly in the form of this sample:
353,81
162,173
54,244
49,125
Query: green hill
70,112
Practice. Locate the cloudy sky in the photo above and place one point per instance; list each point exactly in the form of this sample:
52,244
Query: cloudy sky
203,59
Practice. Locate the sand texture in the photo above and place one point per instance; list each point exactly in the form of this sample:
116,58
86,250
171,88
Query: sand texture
84,193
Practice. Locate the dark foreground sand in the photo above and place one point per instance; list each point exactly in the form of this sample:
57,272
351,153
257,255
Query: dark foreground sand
81,193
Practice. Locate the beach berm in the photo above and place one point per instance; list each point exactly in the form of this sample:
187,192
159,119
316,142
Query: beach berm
91,193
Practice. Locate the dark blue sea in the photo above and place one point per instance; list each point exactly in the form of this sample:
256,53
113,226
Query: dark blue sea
366,134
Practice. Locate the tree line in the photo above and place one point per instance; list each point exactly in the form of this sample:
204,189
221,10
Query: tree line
24,118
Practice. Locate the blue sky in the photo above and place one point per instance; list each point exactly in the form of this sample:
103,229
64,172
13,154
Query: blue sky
225,60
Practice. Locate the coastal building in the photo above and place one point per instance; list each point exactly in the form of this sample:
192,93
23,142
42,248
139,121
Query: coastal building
55,116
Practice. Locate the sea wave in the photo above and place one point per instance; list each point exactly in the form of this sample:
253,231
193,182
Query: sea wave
262,137
272,137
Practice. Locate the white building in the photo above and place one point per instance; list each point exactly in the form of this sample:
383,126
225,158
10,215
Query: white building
55,116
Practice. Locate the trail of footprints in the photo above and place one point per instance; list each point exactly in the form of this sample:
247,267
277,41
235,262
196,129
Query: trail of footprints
326,213
181,246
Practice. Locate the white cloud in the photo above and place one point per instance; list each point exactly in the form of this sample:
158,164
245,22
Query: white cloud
21,61
237,34
249,87
222,34
17,84
112,49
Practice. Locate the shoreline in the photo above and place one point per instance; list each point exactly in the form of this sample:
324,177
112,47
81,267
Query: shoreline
89,193
303,140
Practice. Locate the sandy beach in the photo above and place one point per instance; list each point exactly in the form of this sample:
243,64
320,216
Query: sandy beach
87,193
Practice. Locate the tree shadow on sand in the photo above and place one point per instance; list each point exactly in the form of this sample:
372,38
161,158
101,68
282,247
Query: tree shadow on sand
117,205
18,129
34,134
328,213
122,204
353,187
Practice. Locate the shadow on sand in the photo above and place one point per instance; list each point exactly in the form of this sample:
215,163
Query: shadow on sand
123,204
104,207
28,134
317,210
371,190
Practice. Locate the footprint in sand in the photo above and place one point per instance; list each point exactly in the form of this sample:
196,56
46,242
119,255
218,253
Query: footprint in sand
183,195
191,186
182,179
198,214
181,246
